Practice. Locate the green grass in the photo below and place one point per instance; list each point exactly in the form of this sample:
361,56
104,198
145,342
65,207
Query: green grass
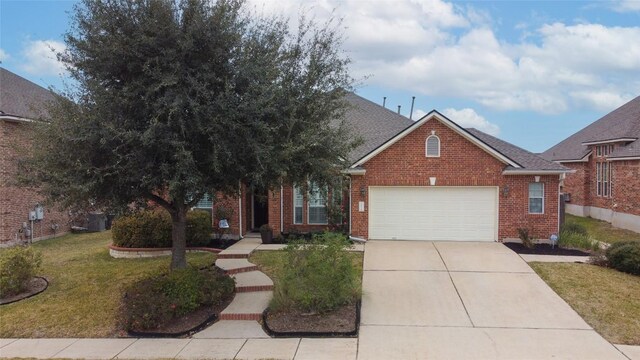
607,299
602,230
85,288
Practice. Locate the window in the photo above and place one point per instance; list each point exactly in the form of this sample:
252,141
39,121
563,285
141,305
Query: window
206,204
605,179
598,150
298,199
536,198
433,146
599,179
317,205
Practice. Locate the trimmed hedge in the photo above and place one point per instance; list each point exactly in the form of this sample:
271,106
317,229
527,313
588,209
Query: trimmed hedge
625,256
18,265
152,229
155,301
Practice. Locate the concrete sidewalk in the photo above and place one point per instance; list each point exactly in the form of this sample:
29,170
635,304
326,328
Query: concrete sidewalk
294,348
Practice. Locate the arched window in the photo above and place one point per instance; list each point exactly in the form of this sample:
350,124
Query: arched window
433,146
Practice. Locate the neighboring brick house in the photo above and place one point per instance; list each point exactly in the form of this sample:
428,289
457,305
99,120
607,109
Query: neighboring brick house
606,158
21,103
423,180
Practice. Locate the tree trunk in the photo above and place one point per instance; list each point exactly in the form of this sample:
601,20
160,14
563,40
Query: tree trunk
179,238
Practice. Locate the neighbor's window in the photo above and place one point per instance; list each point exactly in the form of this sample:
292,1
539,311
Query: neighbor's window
433,146
298,199
317,204
605,179
536,198
599,179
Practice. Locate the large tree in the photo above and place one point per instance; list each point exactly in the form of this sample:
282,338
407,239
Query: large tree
172,99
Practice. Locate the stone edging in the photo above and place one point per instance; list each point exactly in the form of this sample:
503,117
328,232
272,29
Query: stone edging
128,253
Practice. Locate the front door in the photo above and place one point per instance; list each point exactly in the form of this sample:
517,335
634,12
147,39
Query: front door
259,209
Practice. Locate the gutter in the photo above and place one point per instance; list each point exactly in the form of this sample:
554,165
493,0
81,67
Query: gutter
624,158
354,171
537,172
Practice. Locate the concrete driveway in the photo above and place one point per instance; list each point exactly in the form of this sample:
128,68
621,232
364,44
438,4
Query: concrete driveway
465,300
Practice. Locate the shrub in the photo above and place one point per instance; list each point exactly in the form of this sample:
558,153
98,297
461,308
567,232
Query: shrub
527,239
152,229
576,239
198,228
318,276
576,235
152,302
625,256
574,228
18,265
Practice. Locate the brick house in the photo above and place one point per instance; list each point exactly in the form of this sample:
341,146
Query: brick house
21,103
425,180
606,159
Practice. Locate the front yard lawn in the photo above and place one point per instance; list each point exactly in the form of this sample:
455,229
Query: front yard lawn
602,230
85,288
607,299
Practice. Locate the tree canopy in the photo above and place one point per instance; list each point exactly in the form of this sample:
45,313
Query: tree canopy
175,98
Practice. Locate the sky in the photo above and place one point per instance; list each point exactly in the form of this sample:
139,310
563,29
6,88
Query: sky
529,72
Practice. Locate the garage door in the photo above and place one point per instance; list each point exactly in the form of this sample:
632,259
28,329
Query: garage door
433,213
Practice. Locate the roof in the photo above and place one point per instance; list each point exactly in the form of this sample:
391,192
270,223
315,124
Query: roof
20,97
381,127
528,160
374,123
621,123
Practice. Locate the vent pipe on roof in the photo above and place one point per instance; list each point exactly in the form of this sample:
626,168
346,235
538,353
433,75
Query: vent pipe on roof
413,100
398,109
384,102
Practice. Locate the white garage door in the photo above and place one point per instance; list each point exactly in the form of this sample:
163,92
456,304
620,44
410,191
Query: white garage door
433,213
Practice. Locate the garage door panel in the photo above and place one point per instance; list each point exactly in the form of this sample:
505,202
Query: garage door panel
433,213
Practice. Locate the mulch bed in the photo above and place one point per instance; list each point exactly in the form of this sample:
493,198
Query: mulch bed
221,244
186,325
342,322
36,286
545,249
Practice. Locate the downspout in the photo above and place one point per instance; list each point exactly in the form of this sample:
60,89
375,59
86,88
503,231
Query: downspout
239,210
281,209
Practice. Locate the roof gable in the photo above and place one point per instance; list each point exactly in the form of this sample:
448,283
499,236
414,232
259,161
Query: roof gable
620,125
435,115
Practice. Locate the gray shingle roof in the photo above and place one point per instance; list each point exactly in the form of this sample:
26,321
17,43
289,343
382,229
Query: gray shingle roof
374,123
528,160
377,125
20,97
623,122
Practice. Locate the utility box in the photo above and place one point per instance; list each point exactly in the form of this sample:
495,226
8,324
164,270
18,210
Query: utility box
96,222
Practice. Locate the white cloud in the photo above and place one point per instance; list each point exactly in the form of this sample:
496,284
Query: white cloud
40,57
437,48
626,5
469,118
3,55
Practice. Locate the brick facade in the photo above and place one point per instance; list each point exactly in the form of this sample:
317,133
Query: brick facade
461,163
16,202
625,182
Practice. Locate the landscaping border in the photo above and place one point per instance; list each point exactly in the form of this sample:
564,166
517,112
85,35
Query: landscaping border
130,253
205,324
316,334
30,295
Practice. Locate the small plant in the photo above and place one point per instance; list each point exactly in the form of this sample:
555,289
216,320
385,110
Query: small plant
18,265
152,302
526,237
317,277
574,228
625,256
